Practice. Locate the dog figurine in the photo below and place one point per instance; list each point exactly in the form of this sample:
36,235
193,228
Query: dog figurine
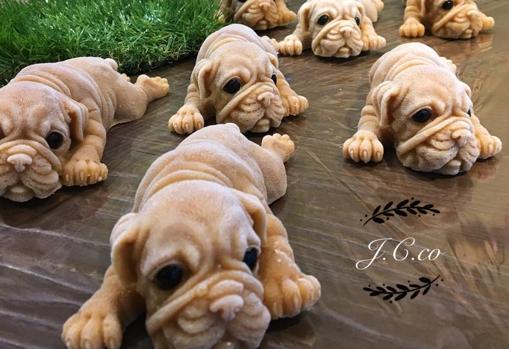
201,250
448,19
237,79
335,28
418,102
53,123
258,14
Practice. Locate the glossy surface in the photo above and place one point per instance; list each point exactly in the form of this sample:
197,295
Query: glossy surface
54,252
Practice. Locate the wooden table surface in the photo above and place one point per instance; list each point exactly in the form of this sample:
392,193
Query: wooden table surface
53,252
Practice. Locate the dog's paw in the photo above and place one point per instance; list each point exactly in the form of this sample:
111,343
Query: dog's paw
187,120
290,295
374,42
280,144
490,146
93,327
155,87
294,104
363,146
84,172
488,23
412,28
290,46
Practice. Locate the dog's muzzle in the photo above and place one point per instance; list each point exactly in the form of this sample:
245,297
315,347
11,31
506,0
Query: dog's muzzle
257,108
257,14
339,38
446,145
27,170
462,22
223,311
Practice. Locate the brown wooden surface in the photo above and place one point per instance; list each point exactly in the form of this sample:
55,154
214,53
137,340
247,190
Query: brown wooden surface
53,252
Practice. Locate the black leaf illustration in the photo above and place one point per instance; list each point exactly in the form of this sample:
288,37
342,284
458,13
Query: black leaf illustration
403,209
388,205
402,203
400,291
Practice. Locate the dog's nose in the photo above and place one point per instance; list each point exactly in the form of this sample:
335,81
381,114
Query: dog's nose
461,136
346,31
227,306
20,161
265,98
265,5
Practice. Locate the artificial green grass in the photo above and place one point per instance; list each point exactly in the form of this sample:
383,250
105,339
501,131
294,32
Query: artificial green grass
139,34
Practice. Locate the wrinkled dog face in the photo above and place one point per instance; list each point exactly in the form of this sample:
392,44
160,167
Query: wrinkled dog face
335,27
456,19
197,273
35,135
241,87
262,14
432,124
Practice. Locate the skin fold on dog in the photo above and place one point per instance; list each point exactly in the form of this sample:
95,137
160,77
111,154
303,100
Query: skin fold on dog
448,19
53,123
201,250
258,14
335,28
418,103
237,79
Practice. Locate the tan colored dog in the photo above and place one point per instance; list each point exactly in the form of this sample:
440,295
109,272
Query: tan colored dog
258,14
335,28
53,123
417,101
237,79
201,251
449,19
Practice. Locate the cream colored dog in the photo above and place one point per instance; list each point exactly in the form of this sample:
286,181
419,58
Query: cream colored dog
335,28
417,101
237,79
450,19
258,14
53,123
201,250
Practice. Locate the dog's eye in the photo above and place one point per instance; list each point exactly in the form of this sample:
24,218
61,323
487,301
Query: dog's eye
358,20
241,0
469,112
323,20
274,78
55,139
251,257
422,115
232,86
448,4
169,277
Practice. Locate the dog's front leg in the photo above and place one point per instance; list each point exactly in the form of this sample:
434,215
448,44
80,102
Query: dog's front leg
293,103
489,145
364,145
288,291
84,166
412,26
372,41
295,43
189,117
100,321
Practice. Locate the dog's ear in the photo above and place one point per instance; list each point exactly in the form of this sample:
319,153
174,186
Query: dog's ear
384,99
78,117
123,248
304,17
256,211
202,76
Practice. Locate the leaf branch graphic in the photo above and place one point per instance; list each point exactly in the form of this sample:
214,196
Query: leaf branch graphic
404,208
400,291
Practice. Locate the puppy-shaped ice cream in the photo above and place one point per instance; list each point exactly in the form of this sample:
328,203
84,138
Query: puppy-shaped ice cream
449,19
418,102
335,28
237,79
258,14
201,250
53,123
